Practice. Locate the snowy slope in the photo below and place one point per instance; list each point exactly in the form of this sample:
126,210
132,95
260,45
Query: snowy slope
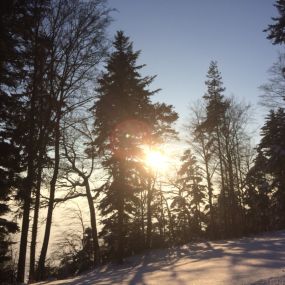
236,262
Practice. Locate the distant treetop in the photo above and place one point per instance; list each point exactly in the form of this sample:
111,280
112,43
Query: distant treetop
276,31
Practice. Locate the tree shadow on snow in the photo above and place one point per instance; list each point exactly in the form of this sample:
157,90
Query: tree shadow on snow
244,256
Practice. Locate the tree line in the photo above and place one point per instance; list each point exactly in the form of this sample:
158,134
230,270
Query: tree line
74,102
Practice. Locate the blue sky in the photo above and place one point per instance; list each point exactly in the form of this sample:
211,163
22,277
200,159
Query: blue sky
179,38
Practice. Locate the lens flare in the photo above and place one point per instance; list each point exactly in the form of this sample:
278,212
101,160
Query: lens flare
155,160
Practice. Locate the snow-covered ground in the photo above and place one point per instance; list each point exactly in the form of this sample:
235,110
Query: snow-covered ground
258,261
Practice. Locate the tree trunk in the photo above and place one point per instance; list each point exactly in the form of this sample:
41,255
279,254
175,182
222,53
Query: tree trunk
35,227
149,215
25,227
232,197
41,265
43,138
31,150
223,194
162,216
210,190
96,248
120,245
171,228
142,217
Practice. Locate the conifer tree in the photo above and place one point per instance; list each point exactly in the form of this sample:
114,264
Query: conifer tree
273,91
276,31
203,147
125,120
272,148
257,197
216,107
224,128
36,117
12,58
190,199
269,163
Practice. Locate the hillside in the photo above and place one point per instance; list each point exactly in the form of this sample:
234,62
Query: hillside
258,260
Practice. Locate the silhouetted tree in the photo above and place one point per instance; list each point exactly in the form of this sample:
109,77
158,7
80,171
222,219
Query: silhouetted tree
78,32
15,20
216,107
189,201
202,144
273,91
81,163
74,248
276,31
125,120
272,148
257,198
266,178
222,141
35,118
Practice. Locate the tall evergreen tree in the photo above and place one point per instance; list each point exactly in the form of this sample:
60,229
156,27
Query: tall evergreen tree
273,91
203,146
12,59
268,170
189,202
216,107
125,119
34,109
272,148
257,198
276,31
222,132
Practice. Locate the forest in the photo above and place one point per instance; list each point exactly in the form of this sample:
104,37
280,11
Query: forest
78,122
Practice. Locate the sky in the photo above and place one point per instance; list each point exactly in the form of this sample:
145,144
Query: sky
179,38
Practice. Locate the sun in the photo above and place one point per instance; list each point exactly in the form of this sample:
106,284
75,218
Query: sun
156,160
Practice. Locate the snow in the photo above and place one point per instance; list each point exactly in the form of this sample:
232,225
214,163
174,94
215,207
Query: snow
258,260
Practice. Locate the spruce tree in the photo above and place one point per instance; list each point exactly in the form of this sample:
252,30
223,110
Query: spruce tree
216,107
214,97
276,31
224,125
203,147
125,119
190,199
36,117
272,148
257,197
12,60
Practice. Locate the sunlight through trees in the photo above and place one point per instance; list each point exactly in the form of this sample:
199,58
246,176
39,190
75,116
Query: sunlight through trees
80,122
